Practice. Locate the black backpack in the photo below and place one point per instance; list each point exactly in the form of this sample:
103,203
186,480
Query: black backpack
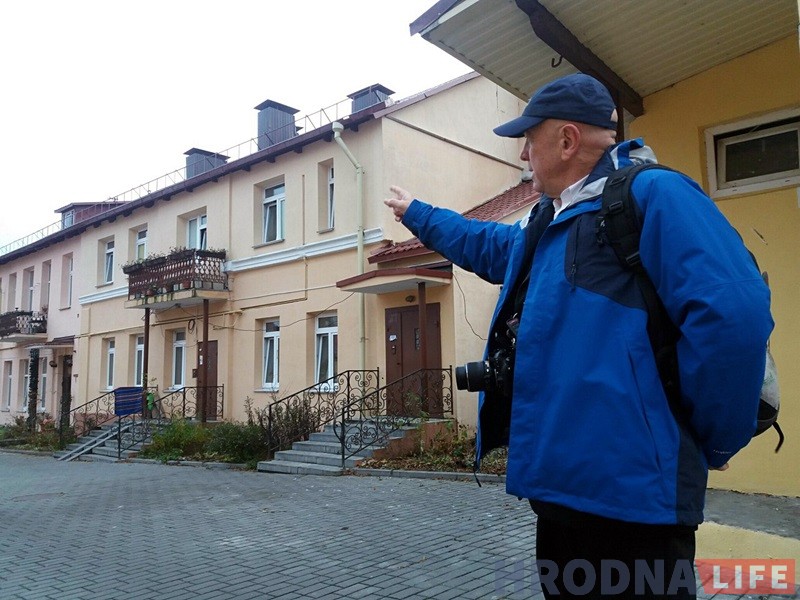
618,224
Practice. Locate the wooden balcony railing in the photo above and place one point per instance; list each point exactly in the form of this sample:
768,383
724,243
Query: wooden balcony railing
22,322
183,269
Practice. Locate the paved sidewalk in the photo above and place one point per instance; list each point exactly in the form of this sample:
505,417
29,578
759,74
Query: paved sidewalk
82,530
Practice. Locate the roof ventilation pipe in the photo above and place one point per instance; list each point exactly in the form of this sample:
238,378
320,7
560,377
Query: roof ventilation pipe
337,128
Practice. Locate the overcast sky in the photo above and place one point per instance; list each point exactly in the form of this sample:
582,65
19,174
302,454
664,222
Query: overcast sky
101,96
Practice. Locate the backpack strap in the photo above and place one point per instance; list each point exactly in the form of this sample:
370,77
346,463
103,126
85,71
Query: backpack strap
619,225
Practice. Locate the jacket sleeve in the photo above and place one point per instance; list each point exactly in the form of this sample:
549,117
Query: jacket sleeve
482,247
714,293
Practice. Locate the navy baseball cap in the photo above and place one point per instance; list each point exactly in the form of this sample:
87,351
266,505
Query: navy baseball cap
576,97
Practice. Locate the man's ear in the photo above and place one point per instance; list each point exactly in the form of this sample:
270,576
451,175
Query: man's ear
569,140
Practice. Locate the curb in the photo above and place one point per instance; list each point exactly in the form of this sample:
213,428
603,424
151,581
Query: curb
187,463
31,452
447,475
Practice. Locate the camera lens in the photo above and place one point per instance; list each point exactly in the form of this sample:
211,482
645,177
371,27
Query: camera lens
473,376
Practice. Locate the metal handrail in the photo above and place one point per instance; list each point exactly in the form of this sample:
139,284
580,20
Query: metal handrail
309,410
423,394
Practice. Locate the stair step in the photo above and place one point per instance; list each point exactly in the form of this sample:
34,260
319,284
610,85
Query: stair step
296,468
329,448
111,451
97,458
317,458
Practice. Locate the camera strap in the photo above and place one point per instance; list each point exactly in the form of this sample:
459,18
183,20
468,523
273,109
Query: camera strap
533,233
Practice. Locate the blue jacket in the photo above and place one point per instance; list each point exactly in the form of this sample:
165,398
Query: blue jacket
590,426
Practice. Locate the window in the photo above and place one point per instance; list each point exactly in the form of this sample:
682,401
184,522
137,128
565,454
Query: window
755,154
274,199
271,355
111,353
12,292
8,381
326,196
196,233
67,219
108,263
327,352
24,368
27,300
47,273
178,358
141,244
138,366
66,281
42,384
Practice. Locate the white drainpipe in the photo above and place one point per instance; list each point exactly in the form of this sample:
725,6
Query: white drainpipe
337,136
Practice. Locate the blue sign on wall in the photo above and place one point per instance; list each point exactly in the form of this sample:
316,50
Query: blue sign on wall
127,401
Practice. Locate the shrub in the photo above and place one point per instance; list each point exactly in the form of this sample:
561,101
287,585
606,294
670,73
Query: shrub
237,442
179,439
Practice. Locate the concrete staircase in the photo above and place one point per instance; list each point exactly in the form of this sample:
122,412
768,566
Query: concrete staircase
322,454
101,445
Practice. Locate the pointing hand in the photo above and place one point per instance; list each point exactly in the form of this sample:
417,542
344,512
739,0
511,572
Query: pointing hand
399,202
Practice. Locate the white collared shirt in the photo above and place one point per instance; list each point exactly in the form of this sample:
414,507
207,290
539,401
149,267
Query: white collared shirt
568,196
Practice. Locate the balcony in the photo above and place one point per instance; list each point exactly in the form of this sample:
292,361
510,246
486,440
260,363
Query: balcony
23,326
184,277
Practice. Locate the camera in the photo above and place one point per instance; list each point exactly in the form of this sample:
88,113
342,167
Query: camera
495,374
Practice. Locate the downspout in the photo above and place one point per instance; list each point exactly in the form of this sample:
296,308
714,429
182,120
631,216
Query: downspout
337,136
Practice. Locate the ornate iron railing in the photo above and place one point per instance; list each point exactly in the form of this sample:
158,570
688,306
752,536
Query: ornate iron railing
185,403
23,322
188,402
371,419
185,269
91,415
296,417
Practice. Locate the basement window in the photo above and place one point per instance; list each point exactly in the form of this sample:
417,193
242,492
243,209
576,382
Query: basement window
754,155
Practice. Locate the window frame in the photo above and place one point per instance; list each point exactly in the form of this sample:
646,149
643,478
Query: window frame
108,262
8,375
138,360
25,370
720,136
111,358
330,335
278,200
42,384
331,192
140,244
197,227
274,354
178,351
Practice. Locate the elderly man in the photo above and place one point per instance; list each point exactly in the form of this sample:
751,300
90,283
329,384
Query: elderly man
615,472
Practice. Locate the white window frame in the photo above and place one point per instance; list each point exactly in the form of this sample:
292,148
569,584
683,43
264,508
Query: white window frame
30,287
47,276
67,219
141,244
111,356
271,351
138,361
274,203
70,279
326,337
25,369
12,292
178,359
8,372
331,198
197,232
716,142
43,384
108,262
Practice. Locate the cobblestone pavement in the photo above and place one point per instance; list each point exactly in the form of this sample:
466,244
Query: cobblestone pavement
83,530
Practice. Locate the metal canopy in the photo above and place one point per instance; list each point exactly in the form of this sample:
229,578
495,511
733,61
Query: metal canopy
637,48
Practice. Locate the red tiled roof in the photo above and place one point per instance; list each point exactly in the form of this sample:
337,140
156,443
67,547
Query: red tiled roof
494,209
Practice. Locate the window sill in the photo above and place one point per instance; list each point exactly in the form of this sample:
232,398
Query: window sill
326,230
268,389
105,284
272,243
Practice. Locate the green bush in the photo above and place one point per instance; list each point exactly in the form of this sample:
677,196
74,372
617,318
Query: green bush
179,439
237,442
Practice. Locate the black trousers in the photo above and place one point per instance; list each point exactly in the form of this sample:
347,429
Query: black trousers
594,557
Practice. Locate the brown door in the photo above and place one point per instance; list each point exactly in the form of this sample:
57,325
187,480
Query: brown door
413,392
212,393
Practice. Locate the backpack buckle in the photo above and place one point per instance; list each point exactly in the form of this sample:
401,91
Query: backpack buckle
633,260
616,207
